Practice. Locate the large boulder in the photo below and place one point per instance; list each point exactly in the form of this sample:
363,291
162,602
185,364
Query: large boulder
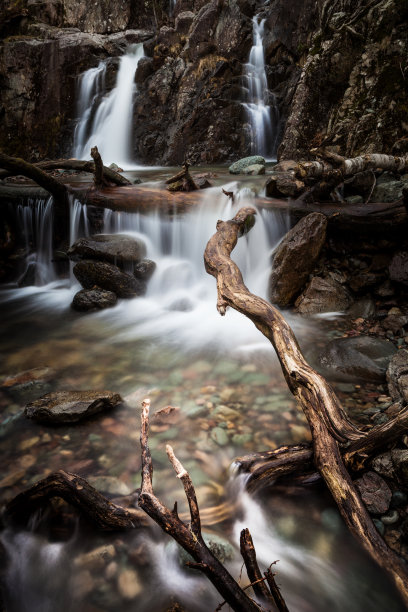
360,358
323,295
296,257
116,248
239,166
107,276
70,406
283,185
397,376
87,300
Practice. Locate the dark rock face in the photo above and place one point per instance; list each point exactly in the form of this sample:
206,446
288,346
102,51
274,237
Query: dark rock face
374,492
323,295
70,406
296,257
144,269
399,267
361,358
397,376
116,248
107,276
87,300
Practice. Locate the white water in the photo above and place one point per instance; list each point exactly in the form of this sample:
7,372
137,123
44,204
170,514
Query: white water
179,307
258,101
106,121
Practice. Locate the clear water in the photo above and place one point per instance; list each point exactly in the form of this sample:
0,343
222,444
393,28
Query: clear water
220,375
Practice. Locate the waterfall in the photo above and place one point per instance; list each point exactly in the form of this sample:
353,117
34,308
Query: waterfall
36,221
106,120
258,101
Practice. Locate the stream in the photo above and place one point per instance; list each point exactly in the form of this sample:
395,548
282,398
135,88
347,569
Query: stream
229,398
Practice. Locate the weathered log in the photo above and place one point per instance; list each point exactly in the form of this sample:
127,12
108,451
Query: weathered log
318,169
76,165
188,536
99,179
76,491
327,420
185,179
18,166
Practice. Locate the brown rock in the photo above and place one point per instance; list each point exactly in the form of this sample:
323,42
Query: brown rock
323,295
374,492
397,376
283,184
107,276
70,406
296,257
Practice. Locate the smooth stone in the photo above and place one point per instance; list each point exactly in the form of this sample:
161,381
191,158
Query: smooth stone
219,436
390,518
225,413
365,308
241,439
96,558
399,498
70,406
379,525
144,269
358,358
238,166
129,584
254,169
116,248
91,273
219,546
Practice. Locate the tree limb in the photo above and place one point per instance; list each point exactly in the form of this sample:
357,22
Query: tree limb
327,420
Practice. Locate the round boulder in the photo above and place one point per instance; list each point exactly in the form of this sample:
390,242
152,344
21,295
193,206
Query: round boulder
87,300
107,276
239,166
116,248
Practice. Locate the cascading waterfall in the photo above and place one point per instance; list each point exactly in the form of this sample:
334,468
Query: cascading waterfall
258,101
36,221
106,121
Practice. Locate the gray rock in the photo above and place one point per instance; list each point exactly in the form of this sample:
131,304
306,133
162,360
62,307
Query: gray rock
397,376
323,295
107,276
70,406
354,199
296,257
239,166
117,249
389,191
220,436
374,492
144,269
398,268
365,308
360,358
254,169
88,300
390,518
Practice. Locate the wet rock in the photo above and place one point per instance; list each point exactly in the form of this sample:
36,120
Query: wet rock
254,169
390,518
220,436
70,406
374,492
109,484
239,166
323,295
88,300
28,379
397,376
283,185
360,358
296,257
354,199
96,558
379,526
107,276
203,183
144,269
117,249
389,191
365,308
398,269
129,584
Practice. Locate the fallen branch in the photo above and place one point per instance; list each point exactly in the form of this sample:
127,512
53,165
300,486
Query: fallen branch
182,181
188,536
318,169
99,180
76,491
328,423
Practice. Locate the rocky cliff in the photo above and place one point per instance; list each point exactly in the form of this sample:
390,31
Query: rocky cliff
337,71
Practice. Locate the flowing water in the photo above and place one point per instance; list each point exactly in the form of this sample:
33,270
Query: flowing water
229,398
105,119
259,103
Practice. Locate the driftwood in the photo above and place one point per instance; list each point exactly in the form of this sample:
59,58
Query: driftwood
189,536
18,166
76,165
328,422
76,491
339,168
182,181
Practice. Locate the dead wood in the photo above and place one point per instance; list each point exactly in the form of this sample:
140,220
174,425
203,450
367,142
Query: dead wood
76,165
19,166
76,491
275,591
99,179
182,181
189,536
318,169
328,422
248,554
